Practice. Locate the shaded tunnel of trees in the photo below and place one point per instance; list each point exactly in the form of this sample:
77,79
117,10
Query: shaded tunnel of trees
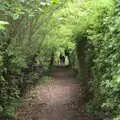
34,33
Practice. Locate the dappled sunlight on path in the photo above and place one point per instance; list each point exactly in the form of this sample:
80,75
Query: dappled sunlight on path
59,99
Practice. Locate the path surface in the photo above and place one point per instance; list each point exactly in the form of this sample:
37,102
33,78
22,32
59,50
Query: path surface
59,99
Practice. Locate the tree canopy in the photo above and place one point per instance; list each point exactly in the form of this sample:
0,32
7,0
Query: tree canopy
36,31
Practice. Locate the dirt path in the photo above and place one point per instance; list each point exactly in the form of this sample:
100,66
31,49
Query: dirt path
59,99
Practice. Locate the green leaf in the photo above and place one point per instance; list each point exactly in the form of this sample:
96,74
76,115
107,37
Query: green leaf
9,111
4,23
1,108
3,6
16,16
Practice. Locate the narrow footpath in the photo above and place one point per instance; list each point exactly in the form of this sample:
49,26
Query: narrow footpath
61,98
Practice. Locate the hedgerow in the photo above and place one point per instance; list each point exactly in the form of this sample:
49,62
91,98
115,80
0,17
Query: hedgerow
23,28
33,32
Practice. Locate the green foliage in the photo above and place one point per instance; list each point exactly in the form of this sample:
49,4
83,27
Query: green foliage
100,23
117,118
2,25
23,28
97,23
33,32
105,84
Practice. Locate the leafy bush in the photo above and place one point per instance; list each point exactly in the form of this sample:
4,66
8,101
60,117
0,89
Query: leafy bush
95,30
23,28
102,34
